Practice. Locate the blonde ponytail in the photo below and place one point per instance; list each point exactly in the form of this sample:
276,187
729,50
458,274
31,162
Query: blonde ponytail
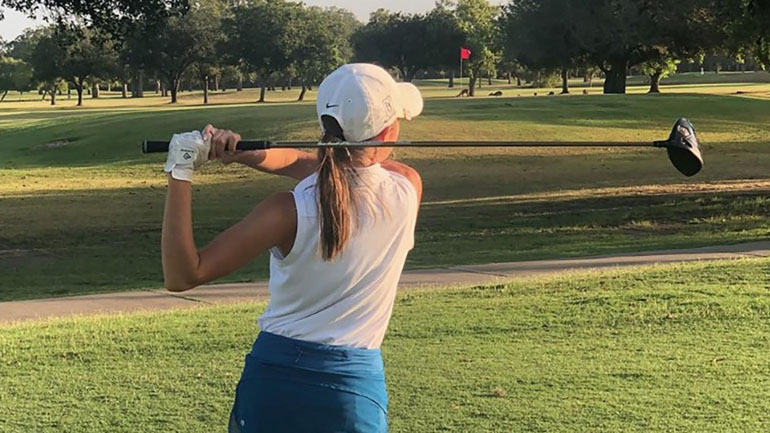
337,205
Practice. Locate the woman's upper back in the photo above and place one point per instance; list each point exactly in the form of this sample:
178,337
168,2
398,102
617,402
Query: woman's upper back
347,301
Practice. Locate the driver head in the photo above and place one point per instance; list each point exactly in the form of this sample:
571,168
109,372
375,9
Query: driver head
683,148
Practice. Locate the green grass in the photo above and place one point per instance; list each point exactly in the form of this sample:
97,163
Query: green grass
668,348
85,217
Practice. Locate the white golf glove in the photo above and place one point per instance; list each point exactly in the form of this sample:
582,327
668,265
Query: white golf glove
186,153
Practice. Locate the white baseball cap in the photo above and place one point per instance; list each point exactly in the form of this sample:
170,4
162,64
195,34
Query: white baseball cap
365,99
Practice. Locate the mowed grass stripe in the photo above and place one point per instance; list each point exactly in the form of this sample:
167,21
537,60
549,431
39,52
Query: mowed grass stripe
666,348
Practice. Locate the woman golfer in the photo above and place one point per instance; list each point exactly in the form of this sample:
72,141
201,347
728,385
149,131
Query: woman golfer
337,247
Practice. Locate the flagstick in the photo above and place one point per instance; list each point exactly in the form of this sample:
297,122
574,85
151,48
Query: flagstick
461,72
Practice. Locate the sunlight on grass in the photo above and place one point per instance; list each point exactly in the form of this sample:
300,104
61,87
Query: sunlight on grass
663,348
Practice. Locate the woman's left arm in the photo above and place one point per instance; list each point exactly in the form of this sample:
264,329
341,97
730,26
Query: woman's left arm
292,163
273,222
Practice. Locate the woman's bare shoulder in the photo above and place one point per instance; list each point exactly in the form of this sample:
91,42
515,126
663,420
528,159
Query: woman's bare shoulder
408,172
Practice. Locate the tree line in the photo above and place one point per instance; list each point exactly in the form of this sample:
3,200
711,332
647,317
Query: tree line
177,44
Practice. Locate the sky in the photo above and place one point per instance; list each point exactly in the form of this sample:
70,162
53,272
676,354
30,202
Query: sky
14,22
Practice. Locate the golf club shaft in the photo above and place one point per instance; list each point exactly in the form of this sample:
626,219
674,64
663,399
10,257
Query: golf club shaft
151,146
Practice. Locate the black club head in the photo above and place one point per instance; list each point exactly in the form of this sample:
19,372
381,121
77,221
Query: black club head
684,149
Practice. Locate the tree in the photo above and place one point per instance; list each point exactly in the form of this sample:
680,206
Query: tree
321,46
22,47
747,25
109,15
232,75
207,67
15,74
395,40
87,55
478,21
618,34
759,13
660,67
261,36
181,42
46,56
345,25
204,71
539,35
444,37
410,43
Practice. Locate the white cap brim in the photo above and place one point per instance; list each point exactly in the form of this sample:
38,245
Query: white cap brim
411,101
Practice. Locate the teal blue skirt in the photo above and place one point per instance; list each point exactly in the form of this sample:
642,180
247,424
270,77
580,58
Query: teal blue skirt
295,386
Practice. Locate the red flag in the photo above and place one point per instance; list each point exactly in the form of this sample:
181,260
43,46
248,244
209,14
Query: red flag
465,53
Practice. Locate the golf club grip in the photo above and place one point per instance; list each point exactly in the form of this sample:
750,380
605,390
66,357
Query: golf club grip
155,146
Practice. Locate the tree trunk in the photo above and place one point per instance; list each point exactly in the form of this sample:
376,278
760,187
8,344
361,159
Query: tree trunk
69,92
137,87
564,81
216,83
302,93
173,89
615,82
262,91
206,89
79,89
4,95
655,81
510,79
452,80
95,91
472,86
489,78
124,91
240,85
288,85
158,86
53,96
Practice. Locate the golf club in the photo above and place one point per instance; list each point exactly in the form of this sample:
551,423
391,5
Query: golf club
682,145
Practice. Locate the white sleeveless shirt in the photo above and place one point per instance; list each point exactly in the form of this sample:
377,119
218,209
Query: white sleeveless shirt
348,301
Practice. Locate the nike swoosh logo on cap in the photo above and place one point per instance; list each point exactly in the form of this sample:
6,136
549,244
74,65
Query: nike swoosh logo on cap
331,106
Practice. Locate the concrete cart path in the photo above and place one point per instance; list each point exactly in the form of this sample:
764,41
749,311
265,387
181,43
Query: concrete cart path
455,276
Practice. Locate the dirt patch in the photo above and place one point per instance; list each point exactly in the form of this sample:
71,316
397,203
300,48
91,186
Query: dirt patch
56,144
